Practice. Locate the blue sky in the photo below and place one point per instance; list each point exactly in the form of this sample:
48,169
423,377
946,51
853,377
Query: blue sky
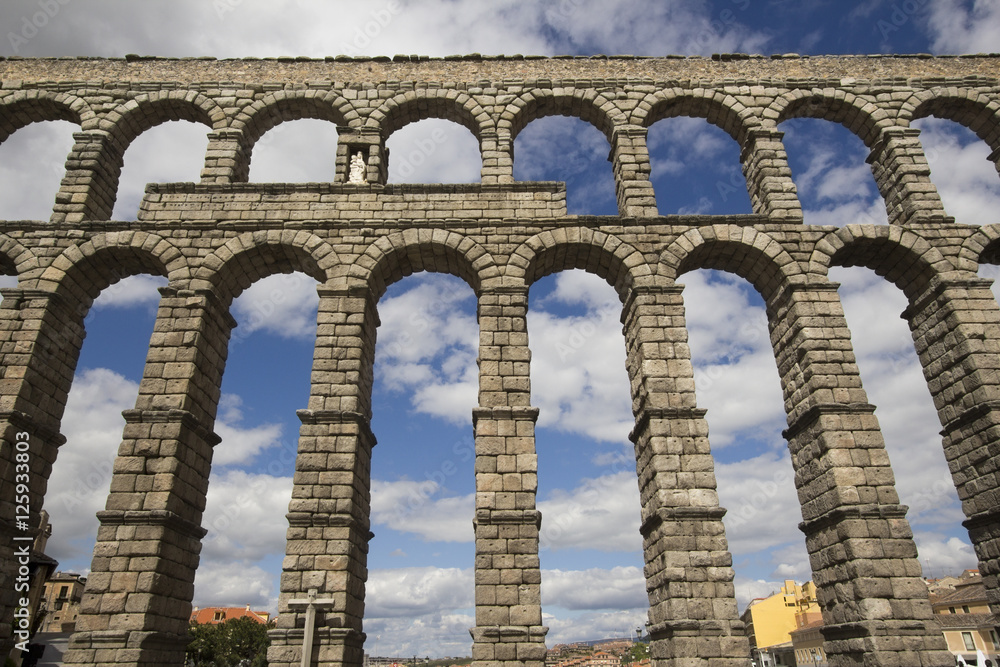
420,591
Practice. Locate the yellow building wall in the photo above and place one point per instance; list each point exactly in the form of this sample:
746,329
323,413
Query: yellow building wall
774,617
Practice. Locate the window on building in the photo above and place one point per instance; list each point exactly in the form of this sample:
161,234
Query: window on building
993,638
219,615
965,609
952,610
63,590
970,644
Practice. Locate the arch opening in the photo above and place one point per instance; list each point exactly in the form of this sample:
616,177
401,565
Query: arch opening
32,165
420,593
170,152
296,151
696,169
571,150
433,150
961,170
835,185
592,582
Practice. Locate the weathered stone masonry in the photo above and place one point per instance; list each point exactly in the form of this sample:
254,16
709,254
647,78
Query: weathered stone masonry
213,239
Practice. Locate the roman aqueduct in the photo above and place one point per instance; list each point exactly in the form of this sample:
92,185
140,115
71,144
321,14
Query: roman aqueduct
213,239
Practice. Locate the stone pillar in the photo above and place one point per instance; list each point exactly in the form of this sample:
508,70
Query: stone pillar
371,145
904,178
630,160
328,516
956,330
227,159
90,186
137,604
693,616
860,545
498,163
768,176
509,627
40,338
498,157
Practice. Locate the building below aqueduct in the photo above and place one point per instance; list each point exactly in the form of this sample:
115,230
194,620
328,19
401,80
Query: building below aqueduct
213,239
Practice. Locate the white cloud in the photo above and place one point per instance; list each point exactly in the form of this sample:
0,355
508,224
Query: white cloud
416,591
312,142
434,151
245,517
31,167
132,291
958,26
940,555
421,508
81,476
593,625
433,634
283,304
168,153
578,377
736,378
235,584
427,346
601,513
966,180
616,588
761,502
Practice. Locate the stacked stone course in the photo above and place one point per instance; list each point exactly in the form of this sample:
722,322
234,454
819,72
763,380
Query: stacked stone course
213,239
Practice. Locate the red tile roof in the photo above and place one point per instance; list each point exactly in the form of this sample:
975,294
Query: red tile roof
211,615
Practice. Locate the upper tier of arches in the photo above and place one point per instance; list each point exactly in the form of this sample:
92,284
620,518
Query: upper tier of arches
111,119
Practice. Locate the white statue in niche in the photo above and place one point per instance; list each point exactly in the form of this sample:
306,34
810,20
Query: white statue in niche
358,167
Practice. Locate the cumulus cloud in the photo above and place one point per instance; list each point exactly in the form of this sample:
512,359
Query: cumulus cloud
601,513
593,625
81,476
434,151
245,517
578,377
961,171
421,508
283,304
615,588
427,347
139,290
31,167
168,153
235,584
312,141
233,28
961,26
408,592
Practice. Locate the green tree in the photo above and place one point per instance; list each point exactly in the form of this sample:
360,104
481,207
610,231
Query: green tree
239,642
639,651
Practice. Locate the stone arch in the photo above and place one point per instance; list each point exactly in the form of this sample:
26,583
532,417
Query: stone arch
33,106
392,258
585,104
597,252
862,117
753,255
255,255
82,271
900,256
127,121
130,119
449,104
970,108
722,110
983,247
15,259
